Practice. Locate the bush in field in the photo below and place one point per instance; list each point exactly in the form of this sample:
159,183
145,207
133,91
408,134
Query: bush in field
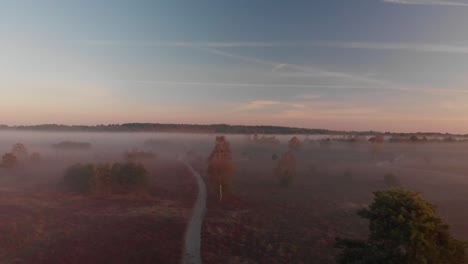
128,177
20,151
286,169
9,160
102,179
106,179
220,167
391,180
78,178
294,143
139,155
35,157
72,145
404,228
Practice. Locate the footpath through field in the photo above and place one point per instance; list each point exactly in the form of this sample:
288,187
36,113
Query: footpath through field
192,246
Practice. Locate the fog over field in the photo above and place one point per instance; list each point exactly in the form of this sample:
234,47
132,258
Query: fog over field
438,170
334,179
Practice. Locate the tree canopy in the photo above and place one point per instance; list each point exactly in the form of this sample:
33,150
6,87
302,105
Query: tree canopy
405,229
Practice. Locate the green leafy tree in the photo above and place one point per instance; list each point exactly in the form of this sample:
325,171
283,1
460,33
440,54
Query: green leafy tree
404,229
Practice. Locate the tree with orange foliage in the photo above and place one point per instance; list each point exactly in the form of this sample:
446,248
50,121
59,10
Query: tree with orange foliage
220,167
286,169
294,143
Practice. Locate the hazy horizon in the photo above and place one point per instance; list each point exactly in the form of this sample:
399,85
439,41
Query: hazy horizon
382,65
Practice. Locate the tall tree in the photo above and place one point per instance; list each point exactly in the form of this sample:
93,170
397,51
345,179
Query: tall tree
286,169
220,167
404,228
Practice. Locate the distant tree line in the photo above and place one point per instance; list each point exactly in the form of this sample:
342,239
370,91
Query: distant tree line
188,128
216,128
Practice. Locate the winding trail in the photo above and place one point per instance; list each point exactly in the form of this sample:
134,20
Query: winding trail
192,246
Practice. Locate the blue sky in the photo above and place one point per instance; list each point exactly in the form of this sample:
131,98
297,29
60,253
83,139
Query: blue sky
391,65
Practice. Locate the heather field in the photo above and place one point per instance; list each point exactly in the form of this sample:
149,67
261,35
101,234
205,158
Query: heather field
257,221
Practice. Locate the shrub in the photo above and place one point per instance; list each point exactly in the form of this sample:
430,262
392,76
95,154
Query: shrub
404,228
391,180
9,160
78,178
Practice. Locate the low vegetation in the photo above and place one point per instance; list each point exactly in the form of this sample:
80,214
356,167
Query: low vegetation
107,179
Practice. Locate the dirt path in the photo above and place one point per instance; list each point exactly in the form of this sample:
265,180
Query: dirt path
193,234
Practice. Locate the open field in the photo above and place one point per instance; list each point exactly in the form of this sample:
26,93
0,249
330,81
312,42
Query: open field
257,222
42,223
261,222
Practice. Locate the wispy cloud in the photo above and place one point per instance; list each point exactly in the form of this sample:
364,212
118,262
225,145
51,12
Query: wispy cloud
189,44
430,90
308,97
247,85
268,106
426,2
418,47
397,46
312,70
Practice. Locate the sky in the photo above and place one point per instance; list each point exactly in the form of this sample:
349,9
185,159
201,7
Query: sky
385,65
